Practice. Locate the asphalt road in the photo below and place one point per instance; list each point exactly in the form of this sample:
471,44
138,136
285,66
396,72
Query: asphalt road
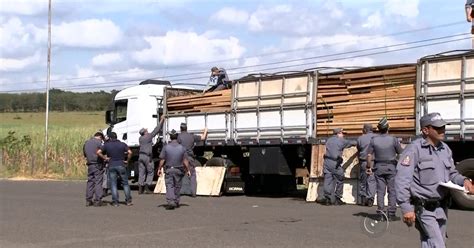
53,214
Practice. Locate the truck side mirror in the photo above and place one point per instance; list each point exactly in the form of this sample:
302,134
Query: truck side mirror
109,116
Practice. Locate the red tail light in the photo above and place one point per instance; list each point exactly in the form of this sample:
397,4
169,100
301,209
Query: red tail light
234,171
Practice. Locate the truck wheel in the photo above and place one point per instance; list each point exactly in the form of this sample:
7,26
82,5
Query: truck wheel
463,200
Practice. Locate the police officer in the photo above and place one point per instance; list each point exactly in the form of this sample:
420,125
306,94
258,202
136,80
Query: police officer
95,170
470,15
177,165
145,158
333,171
218,79
187,140
382,160
116,152
366,180
425,163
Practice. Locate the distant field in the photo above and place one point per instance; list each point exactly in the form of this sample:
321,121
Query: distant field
23,150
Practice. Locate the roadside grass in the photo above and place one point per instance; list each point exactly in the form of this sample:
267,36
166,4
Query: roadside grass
22,138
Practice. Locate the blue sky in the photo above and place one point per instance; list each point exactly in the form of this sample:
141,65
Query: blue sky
113,44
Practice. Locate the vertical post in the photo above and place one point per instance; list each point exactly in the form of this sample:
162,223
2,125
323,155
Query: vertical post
48,76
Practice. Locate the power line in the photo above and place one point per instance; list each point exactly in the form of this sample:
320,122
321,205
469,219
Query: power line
255,56
114,83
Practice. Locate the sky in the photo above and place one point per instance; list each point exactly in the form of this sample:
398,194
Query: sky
113,44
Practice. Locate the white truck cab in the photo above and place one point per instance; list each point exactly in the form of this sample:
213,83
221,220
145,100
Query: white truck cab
135,108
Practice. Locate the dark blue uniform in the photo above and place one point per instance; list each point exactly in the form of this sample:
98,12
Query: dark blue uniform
116,152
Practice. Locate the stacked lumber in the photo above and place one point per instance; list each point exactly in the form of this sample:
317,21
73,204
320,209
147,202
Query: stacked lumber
218,101
350,99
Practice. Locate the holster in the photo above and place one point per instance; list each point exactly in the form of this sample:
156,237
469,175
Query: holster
430,205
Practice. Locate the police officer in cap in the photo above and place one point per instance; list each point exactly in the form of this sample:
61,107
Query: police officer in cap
382,160
146,167
187,140
425,163
367,183
95,170
174,155
333,171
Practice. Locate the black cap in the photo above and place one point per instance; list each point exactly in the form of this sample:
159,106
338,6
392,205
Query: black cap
432,119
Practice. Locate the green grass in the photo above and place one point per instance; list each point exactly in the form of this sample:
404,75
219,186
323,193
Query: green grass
25,147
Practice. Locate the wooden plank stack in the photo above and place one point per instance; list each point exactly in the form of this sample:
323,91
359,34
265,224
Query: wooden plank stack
350,99
218,101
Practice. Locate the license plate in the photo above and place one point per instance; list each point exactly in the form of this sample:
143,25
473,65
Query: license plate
132,173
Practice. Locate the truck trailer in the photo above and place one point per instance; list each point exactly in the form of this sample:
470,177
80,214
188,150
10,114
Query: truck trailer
269,127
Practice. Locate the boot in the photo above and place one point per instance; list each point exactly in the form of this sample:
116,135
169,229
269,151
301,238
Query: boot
147,189
339,202
324,201
140,189
363,201
370,202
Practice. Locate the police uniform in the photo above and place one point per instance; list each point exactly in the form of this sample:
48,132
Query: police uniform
470,4
174,154
333,171
367,183
421,168
146,167
95,171
385,149
187,140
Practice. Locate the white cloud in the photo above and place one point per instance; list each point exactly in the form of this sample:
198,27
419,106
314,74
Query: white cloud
105,59
91,33
23,7
10,65
373,21
19,39
403,8
230,15
298,19
187,47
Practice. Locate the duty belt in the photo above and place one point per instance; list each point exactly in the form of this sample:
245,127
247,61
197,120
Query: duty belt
333,159
387,161
430,204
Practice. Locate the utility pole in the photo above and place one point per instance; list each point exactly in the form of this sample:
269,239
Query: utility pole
48,76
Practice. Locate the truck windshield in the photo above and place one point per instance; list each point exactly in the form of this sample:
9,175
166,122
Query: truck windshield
120,111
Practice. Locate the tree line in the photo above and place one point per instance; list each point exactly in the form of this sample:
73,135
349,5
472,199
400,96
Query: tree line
59,100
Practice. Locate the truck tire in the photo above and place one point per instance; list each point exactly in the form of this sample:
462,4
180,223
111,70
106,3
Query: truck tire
463,200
